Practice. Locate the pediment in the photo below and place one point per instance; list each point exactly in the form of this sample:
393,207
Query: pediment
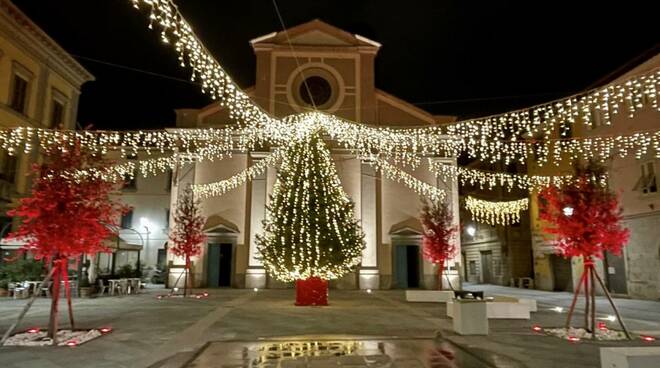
315,33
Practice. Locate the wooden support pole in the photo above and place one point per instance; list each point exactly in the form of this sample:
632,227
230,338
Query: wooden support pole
616,311
27,307
587,296
575,296
593,302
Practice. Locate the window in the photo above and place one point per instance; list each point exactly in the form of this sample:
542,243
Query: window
130,182
19,94
167,218
127,220
57,115
168,185
8,167
315,91
472,267
648,182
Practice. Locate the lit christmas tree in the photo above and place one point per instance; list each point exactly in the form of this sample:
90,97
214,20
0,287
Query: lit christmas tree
310,234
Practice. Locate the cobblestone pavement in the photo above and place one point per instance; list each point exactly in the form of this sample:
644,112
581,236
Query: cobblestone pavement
167,333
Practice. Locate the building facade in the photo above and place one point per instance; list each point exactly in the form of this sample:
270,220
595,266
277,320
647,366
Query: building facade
39,87
338,68
635,273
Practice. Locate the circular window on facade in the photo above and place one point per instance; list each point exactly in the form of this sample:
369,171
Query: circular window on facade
315,87
315,91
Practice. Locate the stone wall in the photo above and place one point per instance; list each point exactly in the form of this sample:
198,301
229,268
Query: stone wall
643,256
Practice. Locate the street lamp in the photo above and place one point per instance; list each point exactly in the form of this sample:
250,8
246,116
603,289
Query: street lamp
471,230
568,211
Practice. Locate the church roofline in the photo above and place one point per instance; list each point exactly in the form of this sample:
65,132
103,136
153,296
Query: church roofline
280,37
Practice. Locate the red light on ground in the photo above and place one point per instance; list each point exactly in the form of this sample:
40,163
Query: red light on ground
573,339
72,343
602,326
537,328
33,330
205,294
105,329
159,297
648,338
198,296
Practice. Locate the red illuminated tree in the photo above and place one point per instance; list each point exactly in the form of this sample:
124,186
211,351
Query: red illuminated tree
188,233
65,217
438,238
585,218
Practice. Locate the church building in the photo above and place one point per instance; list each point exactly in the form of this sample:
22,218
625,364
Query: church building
316,65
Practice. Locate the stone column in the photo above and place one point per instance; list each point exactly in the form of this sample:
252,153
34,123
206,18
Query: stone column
369,275
255,275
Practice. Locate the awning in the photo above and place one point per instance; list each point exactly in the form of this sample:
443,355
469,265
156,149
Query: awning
116,243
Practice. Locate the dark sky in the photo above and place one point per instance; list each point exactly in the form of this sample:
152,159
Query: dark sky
433,51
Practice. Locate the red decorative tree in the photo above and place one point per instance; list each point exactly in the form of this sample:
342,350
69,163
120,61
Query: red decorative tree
64,218
439,233
585,219
188,233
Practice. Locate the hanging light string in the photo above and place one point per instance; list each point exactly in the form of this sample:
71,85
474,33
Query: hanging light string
219,188
485,179
215,82
396,174
598,105
496,213
494,138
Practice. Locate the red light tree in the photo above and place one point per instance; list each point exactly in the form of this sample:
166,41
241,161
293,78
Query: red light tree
188,233
438,238
64,218
585,219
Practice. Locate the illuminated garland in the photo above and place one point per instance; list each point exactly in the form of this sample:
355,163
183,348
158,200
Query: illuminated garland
496,213
395,174
219,188
490,179
597,105
215,81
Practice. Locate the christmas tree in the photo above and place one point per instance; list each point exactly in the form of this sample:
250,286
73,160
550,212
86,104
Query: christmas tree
188,233
586,219
439,235
65,217
309,232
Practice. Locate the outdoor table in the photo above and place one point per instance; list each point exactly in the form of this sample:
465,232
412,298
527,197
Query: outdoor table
113,284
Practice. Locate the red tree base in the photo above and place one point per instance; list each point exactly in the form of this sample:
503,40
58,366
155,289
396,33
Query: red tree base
311,291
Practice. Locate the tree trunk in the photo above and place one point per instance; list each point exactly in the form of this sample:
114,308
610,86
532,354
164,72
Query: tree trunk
587,295
27,306
55,296
67,290
575,297
441,267
185,279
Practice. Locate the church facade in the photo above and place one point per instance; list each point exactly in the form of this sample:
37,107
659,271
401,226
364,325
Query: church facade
329,69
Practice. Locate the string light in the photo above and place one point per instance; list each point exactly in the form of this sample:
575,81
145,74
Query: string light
490,179
221,187
496,213
309,230
394,173
175,30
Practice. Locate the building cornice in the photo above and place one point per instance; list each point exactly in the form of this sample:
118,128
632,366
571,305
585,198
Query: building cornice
19,28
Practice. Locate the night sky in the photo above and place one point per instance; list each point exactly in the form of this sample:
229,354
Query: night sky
466,58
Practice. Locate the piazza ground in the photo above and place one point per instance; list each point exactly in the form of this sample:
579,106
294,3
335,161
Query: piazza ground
169,333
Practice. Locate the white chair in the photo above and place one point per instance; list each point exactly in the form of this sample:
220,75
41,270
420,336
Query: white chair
103,288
